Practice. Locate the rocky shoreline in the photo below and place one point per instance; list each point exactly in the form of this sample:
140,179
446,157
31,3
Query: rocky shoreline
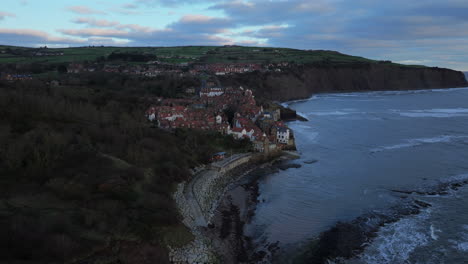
235,210
347,240
222,238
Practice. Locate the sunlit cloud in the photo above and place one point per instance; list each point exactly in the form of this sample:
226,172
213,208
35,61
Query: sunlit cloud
84,10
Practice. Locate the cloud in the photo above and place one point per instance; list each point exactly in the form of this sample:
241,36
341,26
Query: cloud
171,3
94,32
273,12
3,15
431,31
84,10
30,37
413,62
130,6
95,41
95,22
202,24
194,29
112,24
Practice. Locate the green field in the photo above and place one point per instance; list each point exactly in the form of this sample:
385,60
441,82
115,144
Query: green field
186,54
204,54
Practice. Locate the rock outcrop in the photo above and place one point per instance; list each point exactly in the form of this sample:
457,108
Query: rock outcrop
303,81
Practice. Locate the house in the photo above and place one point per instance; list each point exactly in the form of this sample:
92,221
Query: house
282,135
218,156
190,90
211,92
237,132
219,119
242,132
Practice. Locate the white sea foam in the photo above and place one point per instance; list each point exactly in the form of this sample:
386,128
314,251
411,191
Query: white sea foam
341,112
463,246
456,178
302,126
395,242
433,232
418,142
332,113
437,113
302,114
288,103
460,245
372,94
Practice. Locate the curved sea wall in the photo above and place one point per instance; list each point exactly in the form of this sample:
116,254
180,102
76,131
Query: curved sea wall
197,201
303,81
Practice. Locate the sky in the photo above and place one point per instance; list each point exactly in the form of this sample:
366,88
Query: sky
429,32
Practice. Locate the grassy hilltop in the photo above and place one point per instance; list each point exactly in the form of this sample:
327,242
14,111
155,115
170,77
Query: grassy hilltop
185,54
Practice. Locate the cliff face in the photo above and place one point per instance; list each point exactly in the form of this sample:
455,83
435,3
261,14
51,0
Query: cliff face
303,82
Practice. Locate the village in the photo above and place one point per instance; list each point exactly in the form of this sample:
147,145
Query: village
229,111
157,68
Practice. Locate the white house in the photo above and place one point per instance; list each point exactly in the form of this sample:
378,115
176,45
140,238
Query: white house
282,135
240,133
210,92
152,117
219,119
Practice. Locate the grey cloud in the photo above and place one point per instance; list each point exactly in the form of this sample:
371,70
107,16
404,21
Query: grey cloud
95,22
266,12
3,15
189,30
29,37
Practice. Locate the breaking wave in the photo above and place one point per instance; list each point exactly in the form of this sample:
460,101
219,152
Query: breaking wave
395,242
418,142
437,113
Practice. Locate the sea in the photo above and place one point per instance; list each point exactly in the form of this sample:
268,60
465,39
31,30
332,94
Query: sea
358,152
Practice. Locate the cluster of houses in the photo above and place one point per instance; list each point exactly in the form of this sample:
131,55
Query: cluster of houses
16,77
43,53
228,68
155,68
209,112
142,70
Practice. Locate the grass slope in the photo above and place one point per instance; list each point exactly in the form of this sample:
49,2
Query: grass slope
203,54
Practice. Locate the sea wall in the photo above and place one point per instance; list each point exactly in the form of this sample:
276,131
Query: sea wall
303,81
210,185
197,201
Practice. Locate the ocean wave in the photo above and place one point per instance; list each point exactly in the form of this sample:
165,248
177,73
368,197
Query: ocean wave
332,113
288,103
341,112
462,244
456,178
372,94
396,241
418,142
437,113
434,115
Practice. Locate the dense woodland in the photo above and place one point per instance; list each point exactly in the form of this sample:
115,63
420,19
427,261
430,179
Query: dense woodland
85,178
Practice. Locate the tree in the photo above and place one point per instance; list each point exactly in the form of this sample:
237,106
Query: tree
62,68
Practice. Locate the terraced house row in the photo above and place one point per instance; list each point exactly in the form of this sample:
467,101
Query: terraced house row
210,110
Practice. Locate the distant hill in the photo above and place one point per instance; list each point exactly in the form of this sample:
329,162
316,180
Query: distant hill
466,75
184,54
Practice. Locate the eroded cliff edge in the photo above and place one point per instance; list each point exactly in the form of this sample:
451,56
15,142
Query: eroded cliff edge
303,81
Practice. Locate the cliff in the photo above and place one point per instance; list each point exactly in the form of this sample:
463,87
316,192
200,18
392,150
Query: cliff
304,81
